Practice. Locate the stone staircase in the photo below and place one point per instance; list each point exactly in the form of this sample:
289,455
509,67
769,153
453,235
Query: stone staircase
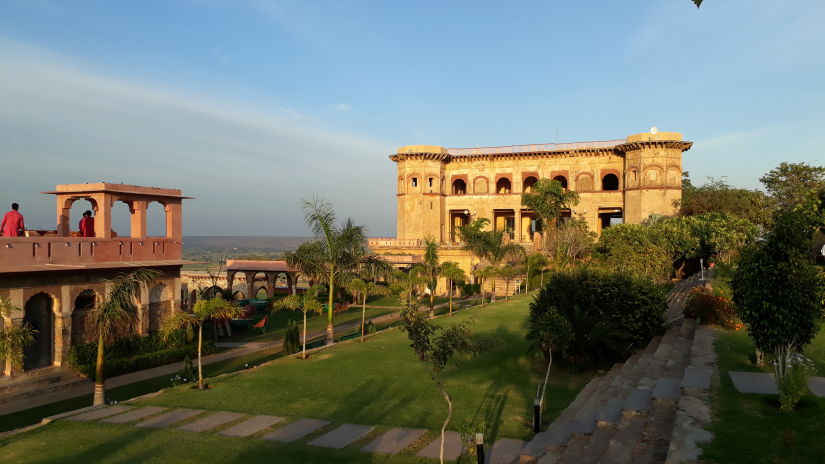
40,382
628,414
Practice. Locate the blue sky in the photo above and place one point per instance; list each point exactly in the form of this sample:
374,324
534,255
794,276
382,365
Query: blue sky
252,105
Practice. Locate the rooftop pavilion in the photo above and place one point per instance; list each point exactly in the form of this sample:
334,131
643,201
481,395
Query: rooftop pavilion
60,249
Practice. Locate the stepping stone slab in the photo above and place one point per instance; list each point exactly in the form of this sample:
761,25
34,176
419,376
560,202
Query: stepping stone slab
817,386
295,430
504,451
165,420
210,422
754,382
544,440
666,387
453,447
100,413
638,400
611,412
251,426
342,436
697,377
393,441
130,416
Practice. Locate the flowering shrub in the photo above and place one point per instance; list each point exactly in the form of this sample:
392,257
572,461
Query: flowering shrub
712,308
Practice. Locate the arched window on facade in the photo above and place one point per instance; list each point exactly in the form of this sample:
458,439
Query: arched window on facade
610,182
562,180
503,185
528,184
459,187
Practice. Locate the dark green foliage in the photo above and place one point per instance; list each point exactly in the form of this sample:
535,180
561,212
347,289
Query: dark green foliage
589,316
778,294
133,353
119,366
370,327
717,196
292,337
469,289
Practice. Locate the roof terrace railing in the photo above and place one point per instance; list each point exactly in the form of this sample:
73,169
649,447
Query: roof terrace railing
536,148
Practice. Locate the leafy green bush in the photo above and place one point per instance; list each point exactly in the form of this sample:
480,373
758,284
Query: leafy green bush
469,289
588,316
712,308
292,338
134,352
794,384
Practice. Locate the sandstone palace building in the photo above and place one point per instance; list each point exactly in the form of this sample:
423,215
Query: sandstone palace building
441,189
57,278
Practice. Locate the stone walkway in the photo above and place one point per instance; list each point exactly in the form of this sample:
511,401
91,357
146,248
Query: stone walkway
765,384
653,408
311,432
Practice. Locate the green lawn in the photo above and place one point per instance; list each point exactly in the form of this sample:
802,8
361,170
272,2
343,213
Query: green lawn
749,428
378,383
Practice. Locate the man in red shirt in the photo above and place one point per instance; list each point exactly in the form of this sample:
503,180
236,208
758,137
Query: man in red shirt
87,225
13,225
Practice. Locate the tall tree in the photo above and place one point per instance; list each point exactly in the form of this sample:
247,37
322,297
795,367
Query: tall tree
534,262
114,314
336,252
779,296
431,269
363,289
574,240
13,338
213,309
717,196
307,303
489,246
454,274
547,199
508,272
434,346
792,184
499,252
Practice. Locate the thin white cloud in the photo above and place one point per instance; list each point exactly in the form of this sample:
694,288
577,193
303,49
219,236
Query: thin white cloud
62,122
341,107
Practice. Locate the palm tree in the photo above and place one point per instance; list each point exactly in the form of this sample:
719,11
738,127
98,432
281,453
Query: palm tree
507,272
547,199
308,302
532,262
364,289
336,251
116,312
453,274
14,337
215,308
499,252
431,269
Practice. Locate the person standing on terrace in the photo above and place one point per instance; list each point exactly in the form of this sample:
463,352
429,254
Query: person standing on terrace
12,225
87,225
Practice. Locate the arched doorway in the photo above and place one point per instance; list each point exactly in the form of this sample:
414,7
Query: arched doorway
610,182
562,180
38,314
82,324
528,184
156,307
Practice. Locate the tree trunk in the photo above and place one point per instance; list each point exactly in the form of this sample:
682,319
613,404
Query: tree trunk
493,294
451,296
432,303
507,289
363,316
527,285
330,330
100,383
446,421
200,350
304,351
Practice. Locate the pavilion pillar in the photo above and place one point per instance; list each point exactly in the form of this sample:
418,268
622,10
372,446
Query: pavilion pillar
174,221
518,225
138,224
250,285
63,212
230,279
270,283
103,215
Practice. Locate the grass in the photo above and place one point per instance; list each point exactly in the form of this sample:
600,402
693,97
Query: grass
378,383
749,428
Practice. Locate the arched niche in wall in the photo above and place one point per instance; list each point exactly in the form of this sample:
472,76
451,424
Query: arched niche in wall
481,185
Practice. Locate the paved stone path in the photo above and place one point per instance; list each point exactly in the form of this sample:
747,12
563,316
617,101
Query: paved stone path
251,426
133,415
342,436
295,430
765,384
165,420
394,441
212,421
453,447
100,413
